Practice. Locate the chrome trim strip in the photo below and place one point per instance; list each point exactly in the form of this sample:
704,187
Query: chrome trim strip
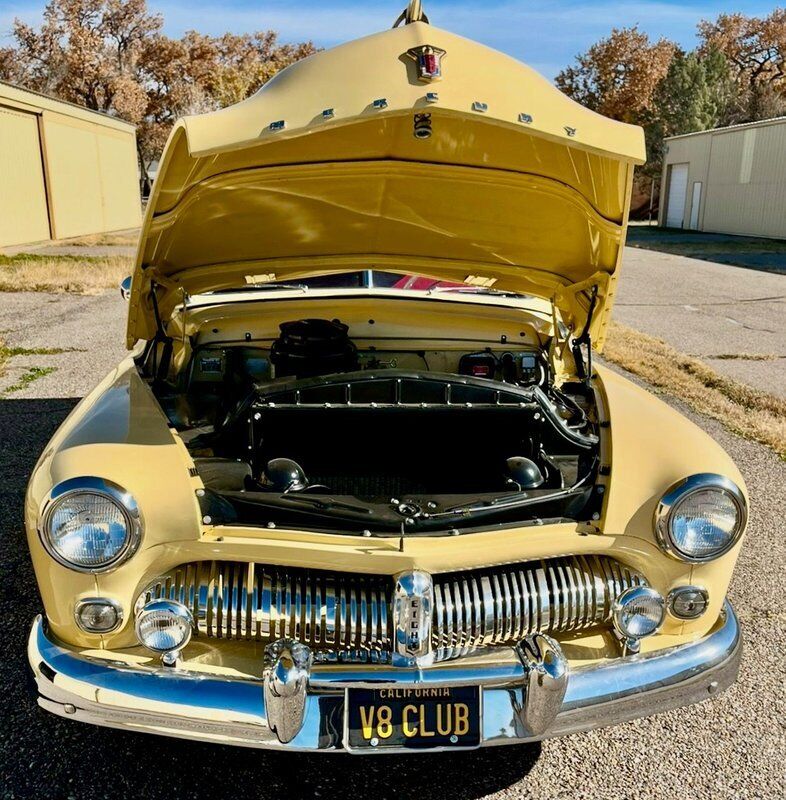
232,711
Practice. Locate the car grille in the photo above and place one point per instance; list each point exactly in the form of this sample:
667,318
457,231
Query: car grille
347,616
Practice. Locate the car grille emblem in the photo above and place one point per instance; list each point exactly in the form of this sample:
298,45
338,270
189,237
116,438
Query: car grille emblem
413,604
429,62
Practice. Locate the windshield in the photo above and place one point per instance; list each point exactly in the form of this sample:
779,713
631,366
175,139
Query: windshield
373,279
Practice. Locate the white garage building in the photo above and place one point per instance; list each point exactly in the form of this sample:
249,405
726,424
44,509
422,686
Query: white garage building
65,171
727,180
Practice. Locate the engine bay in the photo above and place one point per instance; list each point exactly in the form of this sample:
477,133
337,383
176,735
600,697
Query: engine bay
315,430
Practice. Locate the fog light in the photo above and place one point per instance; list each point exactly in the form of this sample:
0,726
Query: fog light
688,602
164,626
98,615
638,612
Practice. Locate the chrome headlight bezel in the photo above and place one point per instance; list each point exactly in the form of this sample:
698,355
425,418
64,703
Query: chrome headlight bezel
677,493
628,598
100,487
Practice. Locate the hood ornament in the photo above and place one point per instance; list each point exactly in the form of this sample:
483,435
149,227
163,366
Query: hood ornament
412,13
429,62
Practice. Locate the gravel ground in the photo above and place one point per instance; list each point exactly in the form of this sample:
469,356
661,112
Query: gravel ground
731,746
91,329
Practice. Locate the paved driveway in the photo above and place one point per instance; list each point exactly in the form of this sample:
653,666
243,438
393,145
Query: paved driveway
731,746
713,311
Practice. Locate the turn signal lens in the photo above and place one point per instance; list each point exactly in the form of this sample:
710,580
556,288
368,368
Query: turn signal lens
97,615
688,602
638,612
164,626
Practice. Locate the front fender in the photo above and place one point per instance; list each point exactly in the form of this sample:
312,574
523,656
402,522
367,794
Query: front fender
118,432
650,447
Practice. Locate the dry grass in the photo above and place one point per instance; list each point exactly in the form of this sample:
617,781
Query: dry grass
5,354
105,240
749,412
30,272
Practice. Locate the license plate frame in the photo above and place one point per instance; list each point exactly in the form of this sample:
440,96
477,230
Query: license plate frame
431,698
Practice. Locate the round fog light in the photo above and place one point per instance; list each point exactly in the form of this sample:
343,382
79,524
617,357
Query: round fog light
688,602
98,615
164,626
638,612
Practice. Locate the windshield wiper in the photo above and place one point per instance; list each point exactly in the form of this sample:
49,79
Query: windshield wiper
475,290
262,287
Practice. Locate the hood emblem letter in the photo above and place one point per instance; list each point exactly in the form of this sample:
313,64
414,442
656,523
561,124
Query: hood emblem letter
413,604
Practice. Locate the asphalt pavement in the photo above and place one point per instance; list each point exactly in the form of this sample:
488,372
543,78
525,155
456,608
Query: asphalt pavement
730,746
720,313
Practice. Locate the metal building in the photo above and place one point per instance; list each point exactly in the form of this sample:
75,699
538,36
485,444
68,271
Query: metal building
64,170
727,180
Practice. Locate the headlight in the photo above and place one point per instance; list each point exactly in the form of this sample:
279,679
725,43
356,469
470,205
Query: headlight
90,524
700,518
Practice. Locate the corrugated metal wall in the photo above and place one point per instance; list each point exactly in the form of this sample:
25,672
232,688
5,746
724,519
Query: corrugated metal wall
743,176
91,184
23,212
86,180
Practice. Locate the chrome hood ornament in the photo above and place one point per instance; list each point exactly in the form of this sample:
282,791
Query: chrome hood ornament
412,13
413,604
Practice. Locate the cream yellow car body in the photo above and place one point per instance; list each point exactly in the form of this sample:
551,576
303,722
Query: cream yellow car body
553,181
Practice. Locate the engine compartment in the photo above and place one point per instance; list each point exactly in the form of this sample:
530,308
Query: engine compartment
318,431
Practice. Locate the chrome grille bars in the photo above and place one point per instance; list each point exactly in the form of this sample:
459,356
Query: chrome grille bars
503,605
347,616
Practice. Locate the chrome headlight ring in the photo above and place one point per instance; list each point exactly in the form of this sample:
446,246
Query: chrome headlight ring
99,487
677,493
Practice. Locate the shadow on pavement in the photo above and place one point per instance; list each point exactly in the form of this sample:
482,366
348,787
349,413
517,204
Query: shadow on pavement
767,255
44,756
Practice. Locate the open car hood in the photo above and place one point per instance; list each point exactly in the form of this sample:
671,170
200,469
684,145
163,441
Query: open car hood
517,187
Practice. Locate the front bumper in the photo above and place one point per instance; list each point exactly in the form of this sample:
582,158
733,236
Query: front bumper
233,711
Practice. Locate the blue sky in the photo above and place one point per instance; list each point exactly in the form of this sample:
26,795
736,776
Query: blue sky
547,35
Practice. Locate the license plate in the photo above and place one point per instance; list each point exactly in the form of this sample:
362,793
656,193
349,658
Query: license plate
412,719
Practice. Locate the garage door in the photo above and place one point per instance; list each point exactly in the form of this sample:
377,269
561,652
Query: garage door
23,212
678,190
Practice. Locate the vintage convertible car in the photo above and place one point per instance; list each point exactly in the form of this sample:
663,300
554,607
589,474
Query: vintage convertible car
360,487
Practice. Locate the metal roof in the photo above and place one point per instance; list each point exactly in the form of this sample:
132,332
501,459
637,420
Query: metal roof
741,126
21,94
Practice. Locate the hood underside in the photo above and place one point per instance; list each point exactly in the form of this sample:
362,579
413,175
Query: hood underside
517,187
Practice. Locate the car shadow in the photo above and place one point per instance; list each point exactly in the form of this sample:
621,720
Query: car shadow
48,756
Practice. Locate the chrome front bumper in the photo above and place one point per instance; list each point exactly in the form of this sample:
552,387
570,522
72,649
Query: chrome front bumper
233,711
